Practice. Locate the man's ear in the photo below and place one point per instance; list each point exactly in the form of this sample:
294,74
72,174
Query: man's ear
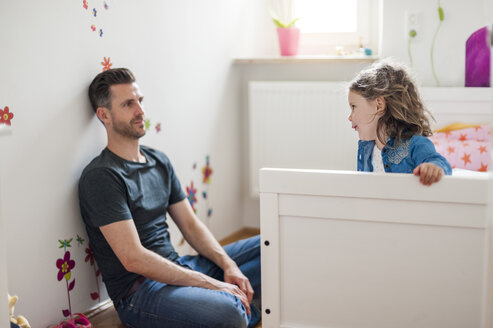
381,105
102,114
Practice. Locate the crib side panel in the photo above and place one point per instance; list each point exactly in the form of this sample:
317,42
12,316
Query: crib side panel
367,260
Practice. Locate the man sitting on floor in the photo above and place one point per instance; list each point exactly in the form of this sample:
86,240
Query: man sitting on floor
124,195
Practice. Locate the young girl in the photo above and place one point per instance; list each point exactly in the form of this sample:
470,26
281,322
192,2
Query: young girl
391,121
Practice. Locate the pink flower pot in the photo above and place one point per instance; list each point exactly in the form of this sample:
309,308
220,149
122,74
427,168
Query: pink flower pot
288,40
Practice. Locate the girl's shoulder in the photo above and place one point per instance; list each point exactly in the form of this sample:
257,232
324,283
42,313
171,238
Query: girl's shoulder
417,138
419,141
421,146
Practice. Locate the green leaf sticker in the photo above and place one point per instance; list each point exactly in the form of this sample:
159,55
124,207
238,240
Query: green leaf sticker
440,13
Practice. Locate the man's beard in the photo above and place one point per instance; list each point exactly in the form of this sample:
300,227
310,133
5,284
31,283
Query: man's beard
128,130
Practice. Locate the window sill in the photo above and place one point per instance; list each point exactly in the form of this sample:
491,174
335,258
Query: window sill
306,60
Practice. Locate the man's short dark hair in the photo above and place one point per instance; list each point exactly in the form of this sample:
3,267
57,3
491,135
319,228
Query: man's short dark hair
99,90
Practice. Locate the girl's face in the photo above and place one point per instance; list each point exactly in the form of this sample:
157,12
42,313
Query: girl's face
364,115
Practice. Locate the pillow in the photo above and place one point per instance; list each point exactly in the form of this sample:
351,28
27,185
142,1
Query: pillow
463,132
464,146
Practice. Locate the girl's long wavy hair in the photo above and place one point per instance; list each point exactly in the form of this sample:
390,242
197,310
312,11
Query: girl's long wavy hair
404,115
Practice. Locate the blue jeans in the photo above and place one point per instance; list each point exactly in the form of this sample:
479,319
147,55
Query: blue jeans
155,304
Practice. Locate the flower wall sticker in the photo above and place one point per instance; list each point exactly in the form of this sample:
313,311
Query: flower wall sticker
193,195
207,171
191,192
65,267
148,124
96,14
192,199
6,116
106,63
90,259
66,264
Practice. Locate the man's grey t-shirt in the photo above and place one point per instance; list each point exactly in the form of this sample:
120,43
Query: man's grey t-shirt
112,189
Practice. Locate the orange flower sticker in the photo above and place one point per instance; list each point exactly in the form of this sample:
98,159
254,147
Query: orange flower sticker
207,171
6,116
106,64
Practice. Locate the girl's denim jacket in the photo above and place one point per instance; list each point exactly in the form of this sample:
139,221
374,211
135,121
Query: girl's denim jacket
404,158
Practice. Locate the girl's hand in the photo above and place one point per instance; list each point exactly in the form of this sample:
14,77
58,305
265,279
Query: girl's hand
428,173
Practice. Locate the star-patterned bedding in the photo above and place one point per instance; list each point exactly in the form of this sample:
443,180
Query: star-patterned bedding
464,146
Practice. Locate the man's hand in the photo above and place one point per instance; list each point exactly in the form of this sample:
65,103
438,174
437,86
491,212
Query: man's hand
233,290
428,173
201,239
233,275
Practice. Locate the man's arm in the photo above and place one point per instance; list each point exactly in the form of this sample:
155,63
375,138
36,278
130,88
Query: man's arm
124,240
202,240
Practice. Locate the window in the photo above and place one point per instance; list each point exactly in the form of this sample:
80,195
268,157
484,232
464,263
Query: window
326,16
331,26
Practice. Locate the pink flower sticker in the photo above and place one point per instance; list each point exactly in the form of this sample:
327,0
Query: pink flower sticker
65,265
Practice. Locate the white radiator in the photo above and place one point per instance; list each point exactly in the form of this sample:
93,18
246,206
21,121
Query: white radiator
300,125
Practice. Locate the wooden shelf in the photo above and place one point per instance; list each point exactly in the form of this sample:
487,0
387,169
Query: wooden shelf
306,60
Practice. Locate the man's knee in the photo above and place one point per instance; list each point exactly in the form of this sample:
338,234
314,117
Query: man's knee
231,314
255,240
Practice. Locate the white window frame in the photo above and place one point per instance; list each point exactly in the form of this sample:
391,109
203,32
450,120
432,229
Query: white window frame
368,12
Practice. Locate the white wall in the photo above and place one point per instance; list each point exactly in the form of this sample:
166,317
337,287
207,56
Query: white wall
181,54
462,18
4,313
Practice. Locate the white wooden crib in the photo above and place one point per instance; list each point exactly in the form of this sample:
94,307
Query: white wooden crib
353,249
343,249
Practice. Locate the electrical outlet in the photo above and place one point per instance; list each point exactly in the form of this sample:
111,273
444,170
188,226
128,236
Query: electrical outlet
413,25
